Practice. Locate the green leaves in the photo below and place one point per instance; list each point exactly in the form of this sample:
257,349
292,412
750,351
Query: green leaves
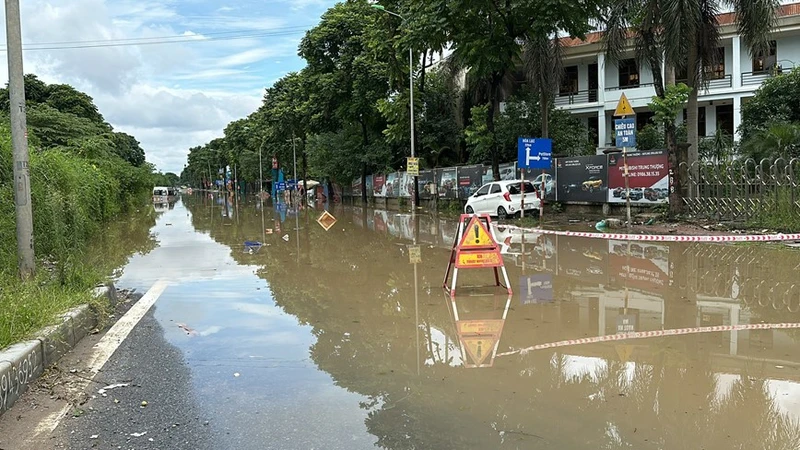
666,109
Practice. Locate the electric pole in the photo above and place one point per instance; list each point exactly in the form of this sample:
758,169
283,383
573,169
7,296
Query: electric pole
19,140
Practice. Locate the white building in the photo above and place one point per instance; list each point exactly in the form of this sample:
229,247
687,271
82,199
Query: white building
592,86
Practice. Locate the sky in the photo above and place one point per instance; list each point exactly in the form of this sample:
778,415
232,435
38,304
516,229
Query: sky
170,96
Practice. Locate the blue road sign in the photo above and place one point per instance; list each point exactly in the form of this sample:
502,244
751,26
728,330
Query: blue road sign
536,288
534,153
281,186
626,132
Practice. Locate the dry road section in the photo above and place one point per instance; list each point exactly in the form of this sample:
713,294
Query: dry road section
30,424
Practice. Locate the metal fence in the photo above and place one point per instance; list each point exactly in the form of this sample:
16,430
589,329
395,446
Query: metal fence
742,189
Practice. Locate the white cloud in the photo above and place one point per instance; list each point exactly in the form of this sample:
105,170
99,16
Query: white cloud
170,96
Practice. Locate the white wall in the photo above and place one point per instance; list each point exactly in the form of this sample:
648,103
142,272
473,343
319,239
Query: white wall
788,50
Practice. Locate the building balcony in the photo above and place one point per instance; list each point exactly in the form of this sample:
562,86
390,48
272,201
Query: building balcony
572,98
725,82
755,78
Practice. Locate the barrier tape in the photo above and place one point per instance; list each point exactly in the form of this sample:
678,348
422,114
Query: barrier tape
654,333
665,237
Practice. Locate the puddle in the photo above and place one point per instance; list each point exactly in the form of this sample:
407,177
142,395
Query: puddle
320,339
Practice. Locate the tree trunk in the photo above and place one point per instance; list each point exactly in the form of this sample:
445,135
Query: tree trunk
691,106
305,176
674,160
544,109
493,107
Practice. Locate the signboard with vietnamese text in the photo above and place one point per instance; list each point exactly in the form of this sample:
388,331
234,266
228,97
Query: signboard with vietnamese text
625,132
648,177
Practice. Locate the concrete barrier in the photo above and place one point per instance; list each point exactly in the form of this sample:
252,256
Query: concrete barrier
24,362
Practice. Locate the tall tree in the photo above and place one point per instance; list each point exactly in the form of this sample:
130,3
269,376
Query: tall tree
485,37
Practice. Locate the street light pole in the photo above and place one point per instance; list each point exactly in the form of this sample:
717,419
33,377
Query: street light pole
415,194
19,141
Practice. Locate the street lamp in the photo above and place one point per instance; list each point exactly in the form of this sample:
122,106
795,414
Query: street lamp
411,99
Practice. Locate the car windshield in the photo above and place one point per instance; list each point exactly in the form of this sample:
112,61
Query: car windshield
514,189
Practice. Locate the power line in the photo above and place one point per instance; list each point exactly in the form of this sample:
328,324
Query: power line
168,40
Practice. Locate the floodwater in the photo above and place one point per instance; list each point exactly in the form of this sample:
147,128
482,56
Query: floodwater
318,339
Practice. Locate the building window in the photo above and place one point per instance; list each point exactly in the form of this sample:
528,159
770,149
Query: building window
701,121
569,83
628,73
716,70
725,119
765,61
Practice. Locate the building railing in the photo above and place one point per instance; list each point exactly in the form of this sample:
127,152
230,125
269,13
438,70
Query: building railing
571,98
715,83
752,78
632,86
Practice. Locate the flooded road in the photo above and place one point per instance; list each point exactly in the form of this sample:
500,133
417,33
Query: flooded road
317,339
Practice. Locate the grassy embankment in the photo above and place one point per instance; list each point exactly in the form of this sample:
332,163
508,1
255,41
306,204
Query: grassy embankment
73,198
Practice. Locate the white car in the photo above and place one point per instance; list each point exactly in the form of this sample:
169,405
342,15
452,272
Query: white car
502,199
547,179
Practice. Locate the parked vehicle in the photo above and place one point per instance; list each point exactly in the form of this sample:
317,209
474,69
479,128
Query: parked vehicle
547,179
160,194
502,199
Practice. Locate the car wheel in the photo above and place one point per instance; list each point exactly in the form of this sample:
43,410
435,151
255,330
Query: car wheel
501,213
470,210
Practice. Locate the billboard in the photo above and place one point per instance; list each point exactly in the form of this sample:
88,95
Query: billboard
548,177
582,179
406,184
356,188
448,182
392,186
648,177
427,185
584,259
508,171
379,185
470,179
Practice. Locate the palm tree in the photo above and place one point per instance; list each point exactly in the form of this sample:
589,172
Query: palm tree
542,56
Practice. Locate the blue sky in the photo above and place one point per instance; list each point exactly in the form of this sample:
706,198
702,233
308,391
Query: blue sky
169,96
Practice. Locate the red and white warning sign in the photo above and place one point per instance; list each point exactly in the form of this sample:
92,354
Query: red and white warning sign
475,248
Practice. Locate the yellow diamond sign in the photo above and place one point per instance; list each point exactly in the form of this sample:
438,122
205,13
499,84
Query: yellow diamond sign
326,220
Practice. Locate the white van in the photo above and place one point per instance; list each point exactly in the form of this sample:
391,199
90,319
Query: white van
160,194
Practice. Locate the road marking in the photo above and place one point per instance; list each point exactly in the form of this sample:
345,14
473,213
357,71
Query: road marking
102,351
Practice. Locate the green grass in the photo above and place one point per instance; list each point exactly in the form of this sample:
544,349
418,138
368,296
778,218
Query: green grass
782,216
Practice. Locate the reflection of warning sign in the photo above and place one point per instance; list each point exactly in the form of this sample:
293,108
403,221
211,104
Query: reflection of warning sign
326,220
479,348
476,236
487,326
624,352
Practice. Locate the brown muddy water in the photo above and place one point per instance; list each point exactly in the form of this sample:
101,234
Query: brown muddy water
336,348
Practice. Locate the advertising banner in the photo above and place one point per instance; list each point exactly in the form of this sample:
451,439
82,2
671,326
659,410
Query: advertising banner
392,186
470,179
648,177
582,179
646,267
448,182
508,171
370,186
356,188
379,185
427,186
406,184
536,177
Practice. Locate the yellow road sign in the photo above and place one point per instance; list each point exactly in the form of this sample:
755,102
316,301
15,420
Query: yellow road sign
412,166
486,326
624,352
326,220
476,235
478,348
624,107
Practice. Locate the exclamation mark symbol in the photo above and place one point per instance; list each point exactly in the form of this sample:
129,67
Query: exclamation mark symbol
480,350
477,238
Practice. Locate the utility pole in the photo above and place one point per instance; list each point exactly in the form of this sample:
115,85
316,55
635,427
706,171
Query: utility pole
19,141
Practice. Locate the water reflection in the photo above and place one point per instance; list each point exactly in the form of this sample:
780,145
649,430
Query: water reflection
353,286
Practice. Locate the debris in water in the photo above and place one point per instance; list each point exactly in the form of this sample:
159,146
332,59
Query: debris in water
94,436
236,374
139,434
110,387
186,328
144,403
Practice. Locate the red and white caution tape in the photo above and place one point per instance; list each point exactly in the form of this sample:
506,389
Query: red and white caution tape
665,237
652,334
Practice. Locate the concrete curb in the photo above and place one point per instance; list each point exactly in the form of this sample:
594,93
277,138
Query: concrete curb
24,362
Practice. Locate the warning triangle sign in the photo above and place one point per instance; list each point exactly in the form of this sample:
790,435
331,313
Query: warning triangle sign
479,347
624,352
476,236
624,107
